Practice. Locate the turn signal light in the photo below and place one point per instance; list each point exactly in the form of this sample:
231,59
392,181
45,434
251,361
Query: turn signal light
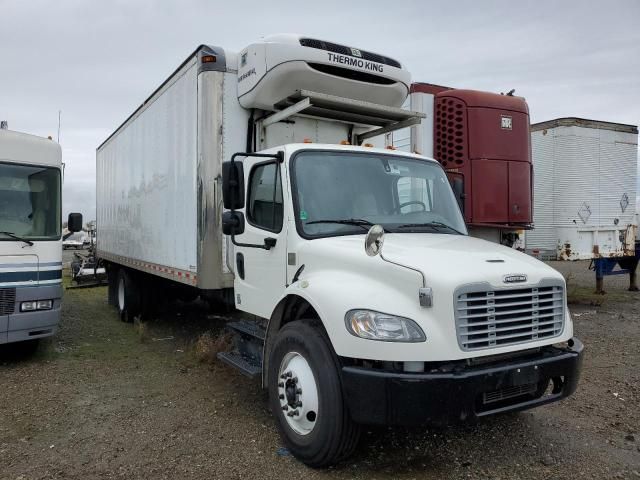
307,140
209,59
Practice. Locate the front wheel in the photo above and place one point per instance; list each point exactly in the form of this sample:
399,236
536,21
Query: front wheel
306,396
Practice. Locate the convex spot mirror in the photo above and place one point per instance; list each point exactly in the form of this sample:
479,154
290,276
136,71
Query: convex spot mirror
232,223
374,240
457,185
74,222
233,185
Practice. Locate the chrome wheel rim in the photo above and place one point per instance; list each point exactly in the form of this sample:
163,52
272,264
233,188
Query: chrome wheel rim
121,294
298,393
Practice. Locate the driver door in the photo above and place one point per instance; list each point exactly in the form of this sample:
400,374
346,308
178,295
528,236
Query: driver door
260,273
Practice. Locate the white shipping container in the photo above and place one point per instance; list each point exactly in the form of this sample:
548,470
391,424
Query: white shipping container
585,175
156,175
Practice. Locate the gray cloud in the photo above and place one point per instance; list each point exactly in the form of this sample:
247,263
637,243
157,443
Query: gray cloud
96,61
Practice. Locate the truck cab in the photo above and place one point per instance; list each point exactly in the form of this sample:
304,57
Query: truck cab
373,303
378,305
30,237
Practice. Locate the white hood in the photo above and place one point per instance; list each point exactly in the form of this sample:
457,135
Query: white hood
450,259
339,276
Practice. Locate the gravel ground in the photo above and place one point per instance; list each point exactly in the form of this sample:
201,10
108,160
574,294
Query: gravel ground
105,399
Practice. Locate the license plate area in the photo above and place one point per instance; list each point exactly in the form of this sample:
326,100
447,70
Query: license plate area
515,386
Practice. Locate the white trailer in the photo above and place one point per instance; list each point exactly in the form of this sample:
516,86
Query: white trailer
30,237
585,189
248,178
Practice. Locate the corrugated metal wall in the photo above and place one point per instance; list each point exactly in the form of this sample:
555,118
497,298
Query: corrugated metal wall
576,165
543,237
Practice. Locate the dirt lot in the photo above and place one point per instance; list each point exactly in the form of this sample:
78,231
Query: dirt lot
105,399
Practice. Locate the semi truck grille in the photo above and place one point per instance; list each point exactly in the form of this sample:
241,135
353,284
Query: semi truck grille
7,300
344,50
495,318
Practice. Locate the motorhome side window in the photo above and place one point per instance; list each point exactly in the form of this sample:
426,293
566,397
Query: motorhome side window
264,206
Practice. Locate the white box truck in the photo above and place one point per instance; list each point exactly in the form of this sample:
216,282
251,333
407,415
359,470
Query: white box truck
30,237
247,178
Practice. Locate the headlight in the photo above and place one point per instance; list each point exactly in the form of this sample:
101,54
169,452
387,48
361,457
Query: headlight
36,305
381,326
28,306
45,304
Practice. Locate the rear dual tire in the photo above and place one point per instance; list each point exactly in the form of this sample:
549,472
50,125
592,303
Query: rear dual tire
306,397
127,296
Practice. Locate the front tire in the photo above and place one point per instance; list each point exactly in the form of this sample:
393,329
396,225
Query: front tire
305,395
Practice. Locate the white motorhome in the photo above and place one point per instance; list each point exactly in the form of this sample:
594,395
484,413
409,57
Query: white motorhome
247,178
30,237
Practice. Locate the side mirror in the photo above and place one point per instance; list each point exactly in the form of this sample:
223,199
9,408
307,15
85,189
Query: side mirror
457,185
232,223
374,240
74,222
232,185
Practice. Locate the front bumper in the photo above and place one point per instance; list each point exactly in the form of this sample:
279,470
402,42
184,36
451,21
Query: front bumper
20,326
464,392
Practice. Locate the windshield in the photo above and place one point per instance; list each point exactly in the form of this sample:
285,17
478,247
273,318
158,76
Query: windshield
401,194
29,202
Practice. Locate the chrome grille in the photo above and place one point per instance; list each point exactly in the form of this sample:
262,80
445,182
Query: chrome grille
500,317
7,300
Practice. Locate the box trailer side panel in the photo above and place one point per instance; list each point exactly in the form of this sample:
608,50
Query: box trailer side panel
585,188
146,182
542,238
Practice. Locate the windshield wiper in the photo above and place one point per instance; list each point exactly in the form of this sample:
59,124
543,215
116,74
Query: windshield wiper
17,237
359,222
430,224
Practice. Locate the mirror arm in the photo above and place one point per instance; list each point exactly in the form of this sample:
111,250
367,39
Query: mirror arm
269,243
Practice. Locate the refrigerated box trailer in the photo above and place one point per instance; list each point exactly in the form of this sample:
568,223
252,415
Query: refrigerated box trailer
247,178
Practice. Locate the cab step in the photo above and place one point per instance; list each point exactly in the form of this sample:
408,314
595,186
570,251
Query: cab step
248,341
248,328
248,366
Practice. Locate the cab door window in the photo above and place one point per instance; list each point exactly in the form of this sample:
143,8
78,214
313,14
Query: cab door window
264,205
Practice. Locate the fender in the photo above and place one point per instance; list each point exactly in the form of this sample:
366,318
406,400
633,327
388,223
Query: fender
329,293
292,296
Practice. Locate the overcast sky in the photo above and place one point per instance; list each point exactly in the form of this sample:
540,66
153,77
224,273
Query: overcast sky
98,60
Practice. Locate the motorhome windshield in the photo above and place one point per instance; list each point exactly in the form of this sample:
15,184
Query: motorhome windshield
29,202
343,193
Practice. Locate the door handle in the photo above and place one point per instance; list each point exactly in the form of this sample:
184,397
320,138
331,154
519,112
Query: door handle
240,265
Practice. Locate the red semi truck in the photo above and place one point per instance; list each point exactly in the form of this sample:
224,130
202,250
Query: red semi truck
483,142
